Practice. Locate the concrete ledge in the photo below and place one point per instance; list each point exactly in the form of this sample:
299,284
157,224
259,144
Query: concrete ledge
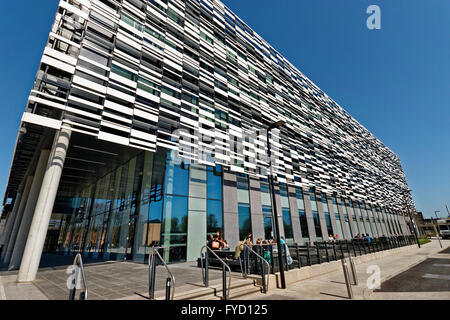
316,270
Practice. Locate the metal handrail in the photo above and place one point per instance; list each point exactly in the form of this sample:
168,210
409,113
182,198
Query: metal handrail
266,262
221,261
150,265
78,261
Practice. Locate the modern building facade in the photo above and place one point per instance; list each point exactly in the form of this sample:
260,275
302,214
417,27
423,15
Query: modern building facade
146,125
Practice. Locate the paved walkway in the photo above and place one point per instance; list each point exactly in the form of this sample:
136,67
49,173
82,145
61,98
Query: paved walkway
126,280
107,280
332,286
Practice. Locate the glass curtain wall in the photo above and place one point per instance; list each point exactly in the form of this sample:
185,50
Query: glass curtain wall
389,221
266,209
373,218
355,223
175,210
144,203
288,234
397,223
214,199
340,232
380,221
244,218
315,214
361,218
369,220
326,212
346,219
302,214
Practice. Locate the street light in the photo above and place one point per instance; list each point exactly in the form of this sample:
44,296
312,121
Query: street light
274,206
438,230
410,218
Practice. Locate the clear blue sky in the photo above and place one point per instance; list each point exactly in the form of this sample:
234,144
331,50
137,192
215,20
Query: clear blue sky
394,81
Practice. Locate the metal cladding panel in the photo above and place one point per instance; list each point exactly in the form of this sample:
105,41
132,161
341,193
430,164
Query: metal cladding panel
193,77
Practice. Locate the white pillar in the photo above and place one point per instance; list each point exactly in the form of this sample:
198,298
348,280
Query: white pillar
27,216
10,221
44,207
9,243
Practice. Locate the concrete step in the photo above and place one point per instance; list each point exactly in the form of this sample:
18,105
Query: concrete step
239,287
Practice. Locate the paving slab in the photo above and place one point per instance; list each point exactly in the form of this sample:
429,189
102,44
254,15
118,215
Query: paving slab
331,286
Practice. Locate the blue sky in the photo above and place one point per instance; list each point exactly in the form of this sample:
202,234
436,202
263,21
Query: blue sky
394,81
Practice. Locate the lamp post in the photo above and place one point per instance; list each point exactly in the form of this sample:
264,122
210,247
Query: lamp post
410,217
274,206
438,230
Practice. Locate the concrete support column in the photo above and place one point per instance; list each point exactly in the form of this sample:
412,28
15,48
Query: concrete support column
257,218
27,217
10,221
9,243
44,207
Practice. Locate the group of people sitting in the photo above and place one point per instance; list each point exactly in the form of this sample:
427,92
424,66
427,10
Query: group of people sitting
217,242
359,236
264,245
363,237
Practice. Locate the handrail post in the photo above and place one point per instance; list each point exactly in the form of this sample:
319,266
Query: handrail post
73,290
77,270
354,249
206,268
354,275
152,275
263,276
170,283
347,279
260,258
168,286
224,283
326,251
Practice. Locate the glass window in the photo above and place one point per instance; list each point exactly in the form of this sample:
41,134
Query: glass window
268,226
327,214
177,178
214,216
287,223
315,213
245,226
214,182
174,225
319,235
244,220
302,214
